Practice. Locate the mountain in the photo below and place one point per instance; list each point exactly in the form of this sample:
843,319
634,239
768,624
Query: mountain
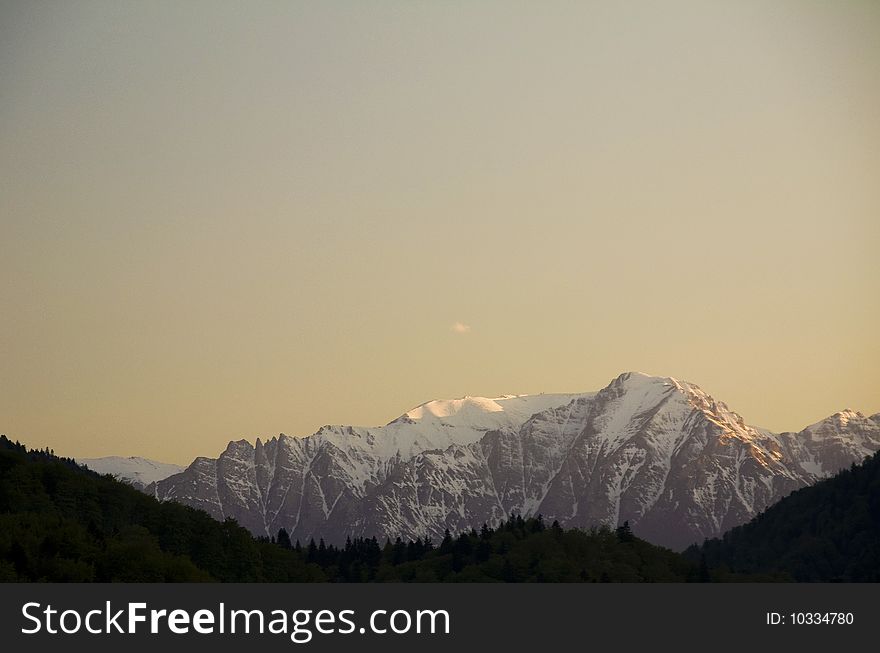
662,454
136,471
834,443
829,532
301,483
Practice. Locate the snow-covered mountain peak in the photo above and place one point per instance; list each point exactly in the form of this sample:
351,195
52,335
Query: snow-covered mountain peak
441,423
646,384
636,379
846,415
846,419
833,443
650,390
637,396
138,471
449,407
484,413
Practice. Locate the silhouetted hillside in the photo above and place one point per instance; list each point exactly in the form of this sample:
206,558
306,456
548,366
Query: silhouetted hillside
518,550
59,522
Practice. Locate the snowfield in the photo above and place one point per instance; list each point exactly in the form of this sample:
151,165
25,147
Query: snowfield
140,472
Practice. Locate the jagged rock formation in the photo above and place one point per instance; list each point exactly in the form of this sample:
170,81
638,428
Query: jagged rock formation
660,453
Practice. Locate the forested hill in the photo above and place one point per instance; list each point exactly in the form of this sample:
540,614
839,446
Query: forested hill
827,532
59,522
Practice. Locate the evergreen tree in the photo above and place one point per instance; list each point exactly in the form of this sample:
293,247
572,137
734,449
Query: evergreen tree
624,533
446,543
284,539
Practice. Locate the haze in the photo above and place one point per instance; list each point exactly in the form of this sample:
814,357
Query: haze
226,220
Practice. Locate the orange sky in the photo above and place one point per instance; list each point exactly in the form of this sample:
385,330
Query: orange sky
232,221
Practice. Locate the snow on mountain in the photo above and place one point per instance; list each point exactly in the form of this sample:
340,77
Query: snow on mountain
479,414
833,443
661,453
301,482
139,472
442,423
667,457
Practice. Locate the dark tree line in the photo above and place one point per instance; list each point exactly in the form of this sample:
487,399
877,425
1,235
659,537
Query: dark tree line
516,550
60,522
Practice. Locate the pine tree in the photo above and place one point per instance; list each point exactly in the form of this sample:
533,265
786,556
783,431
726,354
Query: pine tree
704,575
508,573
284,539
446,544
399,552
483,550
624,533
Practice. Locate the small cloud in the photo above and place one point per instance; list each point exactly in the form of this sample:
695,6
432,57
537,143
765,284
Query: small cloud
460,327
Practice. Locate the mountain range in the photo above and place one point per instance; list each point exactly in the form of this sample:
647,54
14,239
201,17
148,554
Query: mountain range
662,454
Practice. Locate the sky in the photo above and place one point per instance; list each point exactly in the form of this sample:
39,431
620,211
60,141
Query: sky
224,220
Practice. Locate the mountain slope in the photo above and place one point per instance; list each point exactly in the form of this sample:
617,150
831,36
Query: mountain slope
832,444
827,532
657,452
